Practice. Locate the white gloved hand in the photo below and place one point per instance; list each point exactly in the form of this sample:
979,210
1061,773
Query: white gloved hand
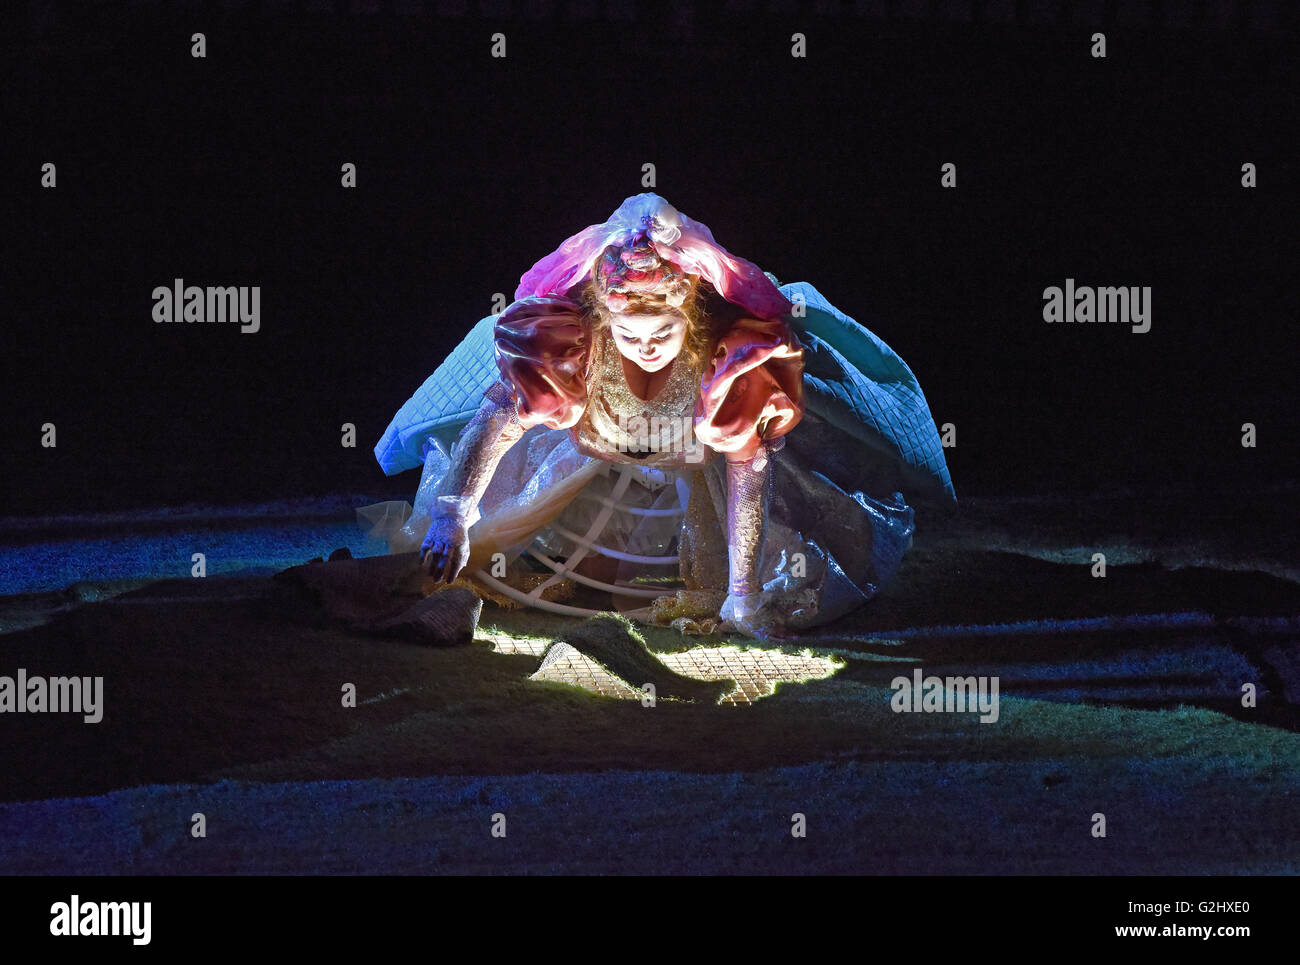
445,549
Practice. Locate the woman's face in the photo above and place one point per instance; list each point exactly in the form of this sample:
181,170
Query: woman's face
649,337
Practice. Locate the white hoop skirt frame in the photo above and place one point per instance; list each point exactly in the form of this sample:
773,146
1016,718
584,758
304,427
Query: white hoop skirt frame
825,551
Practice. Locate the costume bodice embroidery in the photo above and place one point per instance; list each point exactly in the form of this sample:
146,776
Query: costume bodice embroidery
620,427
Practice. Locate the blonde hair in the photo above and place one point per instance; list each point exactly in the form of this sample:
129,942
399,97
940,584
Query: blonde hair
700,334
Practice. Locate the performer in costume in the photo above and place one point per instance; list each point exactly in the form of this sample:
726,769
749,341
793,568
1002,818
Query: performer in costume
664,422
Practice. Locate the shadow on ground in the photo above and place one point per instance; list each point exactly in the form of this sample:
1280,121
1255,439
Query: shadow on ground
215,676
1116,694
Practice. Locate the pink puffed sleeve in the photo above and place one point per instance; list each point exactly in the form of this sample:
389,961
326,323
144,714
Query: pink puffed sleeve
752,390
541,346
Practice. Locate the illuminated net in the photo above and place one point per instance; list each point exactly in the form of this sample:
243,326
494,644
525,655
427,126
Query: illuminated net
756,672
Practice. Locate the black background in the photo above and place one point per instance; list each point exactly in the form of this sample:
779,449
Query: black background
225,171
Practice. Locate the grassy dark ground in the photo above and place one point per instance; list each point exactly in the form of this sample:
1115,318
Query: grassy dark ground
1118,695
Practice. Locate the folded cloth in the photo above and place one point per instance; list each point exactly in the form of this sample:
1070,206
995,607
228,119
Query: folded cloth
383,595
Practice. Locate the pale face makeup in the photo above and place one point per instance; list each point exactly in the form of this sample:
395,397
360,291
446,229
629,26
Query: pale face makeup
650,340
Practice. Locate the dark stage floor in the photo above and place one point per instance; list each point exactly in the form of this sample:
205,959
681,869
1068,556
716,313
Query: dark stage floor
1118,695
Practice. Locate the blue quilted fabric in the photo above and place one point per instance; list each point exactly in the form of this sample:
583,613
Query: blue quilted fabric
444,403
852,380
861,386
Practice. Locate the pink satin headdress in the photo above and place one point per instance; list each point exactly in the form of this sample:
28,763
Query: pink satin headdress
686,243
